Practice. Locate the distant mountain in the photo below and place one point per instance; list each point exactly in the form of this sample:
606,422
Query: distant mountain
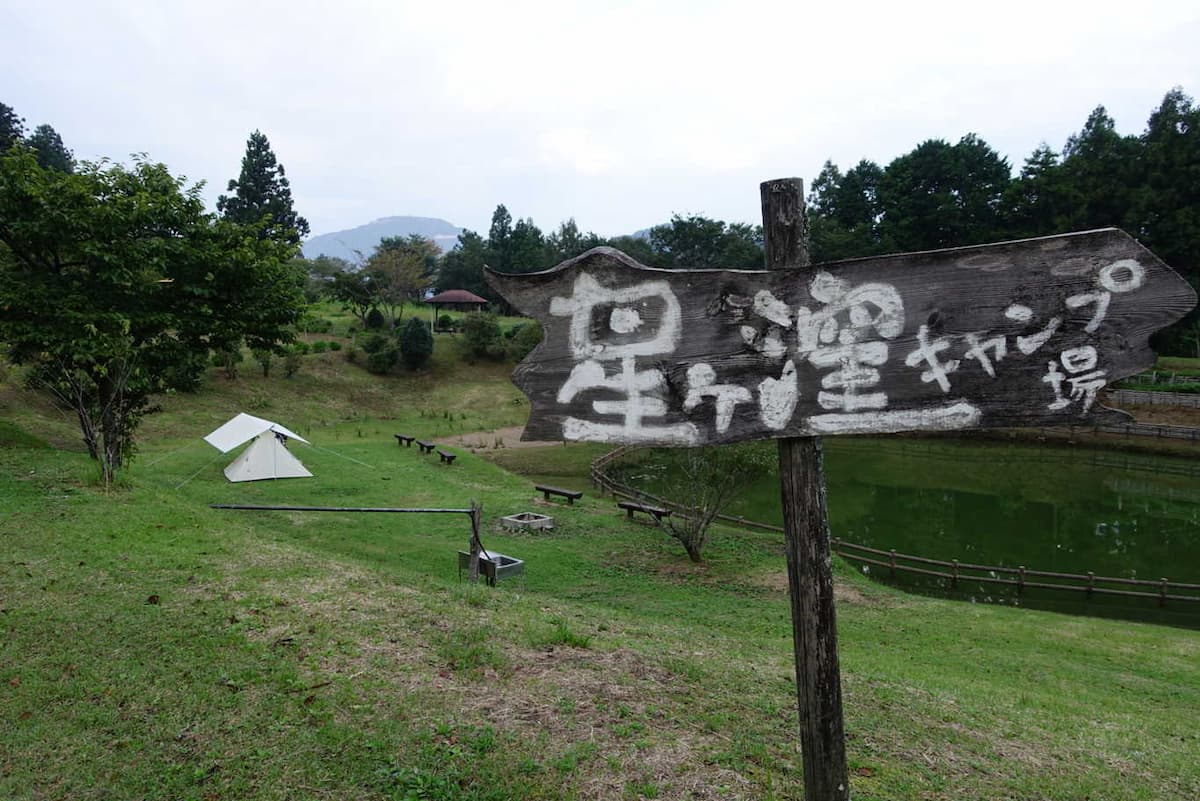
342,244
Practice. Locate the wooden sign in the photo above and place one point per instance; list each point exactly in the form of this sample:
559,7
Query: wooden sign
1024,333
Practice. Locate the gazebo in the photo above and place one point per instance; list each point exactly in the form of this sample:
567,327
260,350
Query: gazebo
455,298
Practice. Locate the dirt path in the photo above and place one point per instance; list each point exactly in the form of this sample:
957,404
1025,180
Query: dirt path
500,439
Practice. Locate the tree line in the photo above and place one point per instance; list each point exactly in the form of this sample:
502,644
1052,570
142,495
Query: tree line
937,195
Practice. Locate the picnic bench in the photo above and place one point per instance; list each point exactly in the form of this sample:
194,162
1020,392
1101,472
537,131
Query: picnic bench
657,512
426,447
446,456
403,440
570,495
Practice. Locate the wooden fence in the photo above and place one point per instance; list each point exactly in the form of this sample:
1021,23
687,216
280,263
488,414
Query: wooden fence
1140,397
1019,578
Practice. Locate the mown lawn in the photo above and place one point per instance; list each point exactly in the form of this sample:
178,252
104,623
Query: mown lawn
156,648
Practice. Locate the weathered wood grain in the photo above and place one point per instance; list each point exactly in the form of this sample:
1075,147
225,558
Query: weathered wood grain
748,348
806,540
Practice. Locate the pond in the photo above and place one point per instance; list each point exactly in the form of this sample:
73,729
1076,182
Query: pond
1061,509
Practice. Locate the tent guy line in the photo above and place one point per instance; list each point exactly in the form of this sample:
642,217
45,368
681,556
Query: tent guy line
341,456
181,484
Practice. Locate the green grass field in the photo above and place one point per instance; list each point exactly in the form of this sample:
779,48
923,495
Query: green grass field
156,648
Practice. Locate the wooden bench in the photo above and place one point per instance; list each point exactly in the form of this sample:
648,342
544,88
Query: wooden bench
447,457
403,440
570,495
657,512
426,447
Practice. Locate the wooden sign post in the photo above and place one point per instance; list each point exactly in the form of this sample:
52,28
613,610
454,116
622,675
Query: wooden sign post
806,540
1024,333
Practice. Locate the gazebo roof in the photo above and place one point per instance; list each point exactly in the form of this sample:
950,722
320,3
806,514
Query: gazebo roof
457,296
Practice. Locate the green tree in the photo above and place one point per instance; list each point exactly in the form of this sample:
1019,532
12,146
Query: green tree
567,243
52,154
12,128
262,193
704,481
1100,169
1166,204
1037,202
941,195
416,343
527,248
319,275
423,248
636,247
699,242
462,267
481,335
395,276
353,290
499,241
115,284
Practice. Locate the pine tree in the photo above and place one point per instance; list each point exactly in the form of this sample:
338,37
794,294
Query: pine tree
52,154
262,191
12,128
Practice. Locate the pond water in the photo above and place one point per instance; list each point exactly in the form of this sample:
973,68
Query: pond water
1062,509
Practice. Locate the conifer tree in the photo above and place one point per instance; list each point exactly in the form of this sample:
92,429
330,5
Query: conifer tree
262,191
12,128
52,154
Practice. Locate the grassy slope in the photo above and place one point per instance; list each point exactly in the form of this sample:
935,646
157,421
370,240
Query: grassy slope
334,656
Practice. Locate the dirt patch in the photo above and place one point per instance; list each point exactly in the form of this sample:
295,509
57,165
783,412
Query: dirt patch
500,439
777,581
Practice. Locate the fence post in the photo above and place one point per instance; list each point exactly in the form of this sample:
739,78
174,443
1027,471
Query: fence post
892,562
473,571
1021,580
1162,592
954,576
1091,585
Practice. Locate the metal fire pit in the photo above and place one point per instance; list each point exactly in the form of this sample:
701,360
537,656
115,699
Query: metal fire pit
528,520
493,567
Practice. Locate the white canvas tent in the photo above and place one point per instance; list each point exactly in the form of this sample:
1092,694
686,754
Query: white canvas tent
267,456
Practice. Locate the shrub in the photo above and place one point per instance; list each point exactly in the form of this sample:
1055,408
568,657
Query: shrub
526,338
375,320
445,323
481,333
291,361
335,345
352,355
314,325
301,347
320,346
416,343
265,358
375,343
382,361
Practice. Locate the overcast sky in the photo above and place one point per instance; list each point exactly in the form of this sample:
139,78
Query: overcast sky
617,114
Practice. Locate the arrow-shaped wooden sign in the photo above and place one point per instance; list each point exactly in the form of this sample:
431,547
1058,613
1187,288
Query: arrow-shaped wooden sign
1023,333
